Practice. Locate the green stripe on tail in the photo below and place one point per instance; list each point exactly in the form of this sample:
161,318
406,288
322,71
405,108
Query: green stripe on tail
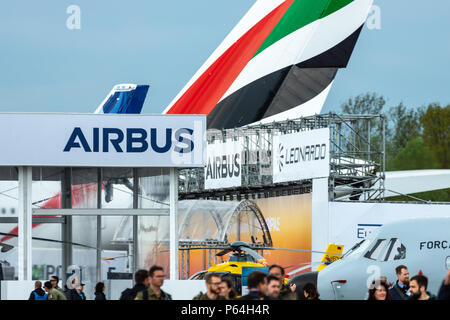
300,14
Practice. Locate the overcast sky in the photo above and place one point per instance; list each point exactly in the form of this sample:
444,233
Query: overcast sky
45,67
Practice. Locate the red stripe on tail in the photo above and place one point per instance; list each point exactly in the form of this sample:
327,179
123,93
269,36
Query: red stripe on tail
210,87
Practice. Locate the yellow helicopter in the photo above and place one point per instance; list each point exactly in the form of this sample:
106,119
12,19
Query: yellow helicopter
243,255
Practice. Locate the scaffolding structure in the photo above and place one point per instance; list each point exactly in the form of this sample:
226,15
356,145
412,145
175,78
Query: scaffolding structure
357,168
357,159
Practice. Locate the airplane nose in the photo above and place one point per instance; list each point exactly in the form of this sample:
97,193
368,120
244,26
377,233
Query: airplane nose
301,280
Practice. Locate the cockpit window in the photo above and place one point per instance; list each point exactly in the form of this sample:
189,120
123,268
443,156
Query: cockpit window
375,251
384,250
396,250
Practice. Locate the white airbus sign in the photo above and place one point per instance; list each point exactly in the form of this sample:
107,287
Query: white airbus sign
224,165
301,155
102,140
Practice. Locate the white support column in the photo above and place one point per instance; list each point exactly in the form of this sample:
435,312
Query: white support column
320,217
173,220
25,222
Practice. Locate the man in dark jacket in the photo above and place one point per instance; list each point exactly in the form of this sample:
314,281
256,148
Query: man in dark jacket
257,286
77,294
444,291
154,292
399,290
141,280
38,293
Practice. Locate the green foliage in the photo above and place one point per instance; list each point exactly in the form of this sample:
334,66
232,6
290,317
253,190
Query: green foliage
406,125
436,124
369,103
415,138
415,155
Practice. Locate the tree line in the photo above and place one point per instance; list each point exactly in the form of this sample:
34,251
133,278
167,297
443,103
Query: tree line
416,138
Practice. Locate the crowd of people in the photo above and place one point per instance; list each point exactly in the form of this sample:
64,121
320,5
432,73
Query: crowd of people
51,291
406,288
261,286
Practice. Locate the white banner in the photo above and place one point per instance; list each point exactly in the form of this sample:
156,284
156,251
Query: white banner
102,140
301,155
223,165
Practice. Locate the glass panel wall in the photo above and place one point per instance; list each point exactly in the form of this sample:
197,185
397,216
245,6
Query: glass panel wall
117,231
153,232
84,251
84,187
9,194
47,239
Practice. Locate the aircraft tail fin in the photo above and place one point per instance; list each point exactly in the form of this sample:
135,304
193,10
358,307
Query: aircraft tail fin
335,253
124,98
278,62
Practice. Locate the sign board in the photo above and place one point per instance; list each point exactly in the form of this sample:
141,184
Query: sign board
102,140
301,155
223,165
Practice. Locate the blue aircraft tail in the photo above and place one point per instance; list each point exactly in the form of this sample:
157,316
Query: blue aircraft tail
124,98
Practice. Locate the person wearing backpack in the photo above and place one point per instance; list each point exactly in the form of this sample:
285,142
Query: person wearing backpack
38,293
141,280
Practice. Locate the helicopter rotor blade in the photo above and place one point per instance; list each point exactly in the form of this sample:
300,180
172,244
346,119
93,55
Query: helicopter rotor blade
252,253
303,250
223,252
262,248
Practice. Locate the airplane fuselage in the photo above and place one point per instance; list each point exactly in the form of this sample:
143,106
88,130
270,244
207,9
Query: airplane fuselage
422,245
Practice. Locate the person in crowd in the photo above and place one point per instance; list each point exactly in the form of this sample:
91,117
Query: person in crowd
154,292
38,293
77,293
385,280
444,291
66,291
257,286
379,291
273,287
310,292
226,288
418,288
141,283
54,280
53,294
286,292
100,291
400,290
213,282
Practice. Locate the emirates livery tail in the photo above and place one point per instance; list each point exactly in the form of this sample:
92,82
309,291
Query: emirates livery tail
279,62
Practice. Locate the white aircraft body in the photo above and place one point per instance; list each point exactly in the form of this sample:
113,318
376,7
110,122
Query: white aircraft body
422,245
